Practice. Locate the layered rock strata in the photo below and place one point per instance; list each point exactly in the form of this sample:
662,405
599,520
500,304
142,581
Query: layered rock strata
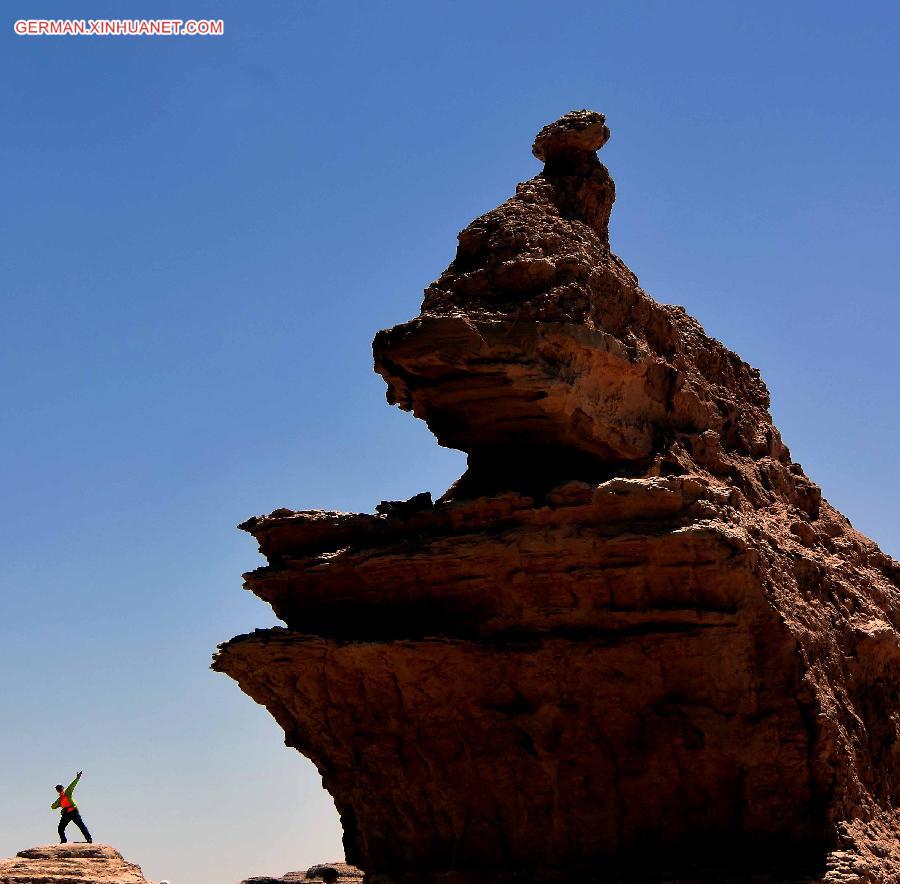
70,864
631,640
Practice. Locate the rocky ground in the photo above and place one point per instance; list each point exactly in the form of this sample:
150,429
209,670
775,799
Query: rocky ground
70,864
632,641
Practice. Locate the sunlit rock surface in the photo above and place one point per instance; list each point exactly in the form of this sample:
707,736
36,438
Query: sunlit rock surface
72,863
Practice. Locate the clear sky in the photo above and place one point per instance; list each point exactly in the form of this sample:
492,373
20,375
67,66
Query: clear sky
200,237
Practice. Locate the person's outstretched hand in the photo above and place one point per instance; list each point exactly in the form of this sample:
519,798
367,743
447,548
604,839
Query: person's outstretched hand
79,773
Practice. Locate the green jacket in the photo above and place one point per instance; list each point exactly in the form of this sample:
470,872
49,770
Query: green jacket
68,793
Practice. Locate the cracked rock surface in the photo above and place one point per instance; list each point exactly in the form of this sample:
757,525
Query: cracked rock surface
632,642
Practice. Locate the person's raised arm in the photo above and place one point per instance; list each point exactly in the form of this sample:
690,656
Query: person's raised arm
71,787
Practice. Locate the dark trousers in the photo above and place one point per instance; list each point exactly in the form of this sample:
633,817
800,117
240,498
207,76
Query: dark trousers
72,816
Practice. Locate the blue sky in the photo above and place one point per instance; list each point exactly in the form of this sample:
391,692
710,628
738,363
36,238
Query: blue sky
200,237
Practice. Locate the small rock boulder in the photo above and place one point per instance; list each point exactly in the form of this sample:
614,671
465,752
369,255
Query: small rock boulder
580,131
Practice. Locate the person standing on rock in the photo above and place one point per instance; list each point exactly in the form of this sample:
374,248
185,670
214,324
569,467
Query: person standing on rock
69,810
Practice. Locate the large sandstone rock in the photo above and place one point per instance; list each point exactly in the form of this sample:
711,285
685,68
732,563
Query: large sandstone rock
631,641
70,864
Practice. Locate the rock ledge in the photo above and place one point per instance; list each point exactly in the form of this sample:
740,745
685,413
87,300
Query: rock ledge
70,864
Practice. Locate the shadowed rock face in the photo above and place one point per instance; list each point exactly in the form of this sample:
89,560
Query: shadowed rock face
632,640
70,864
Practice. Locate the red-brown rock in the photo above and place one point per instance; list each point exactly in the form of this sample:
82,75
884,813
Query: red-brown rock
632,640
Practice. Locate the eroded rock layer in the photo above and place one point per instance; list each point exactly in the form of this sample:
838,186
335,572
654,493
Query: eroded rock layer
70,864
632,640
330,873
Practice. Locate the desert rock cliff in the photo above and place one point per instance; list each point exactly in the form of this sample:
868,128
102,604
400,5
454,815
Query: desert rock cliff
632,640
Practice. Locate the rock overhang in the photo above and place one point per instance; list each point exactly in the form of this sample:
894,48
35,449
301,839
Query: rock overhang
490,565
476,394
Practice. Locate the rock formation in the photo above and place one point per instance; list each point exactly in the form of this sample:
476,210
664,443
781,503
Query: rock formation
631,640
70,864
340,873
